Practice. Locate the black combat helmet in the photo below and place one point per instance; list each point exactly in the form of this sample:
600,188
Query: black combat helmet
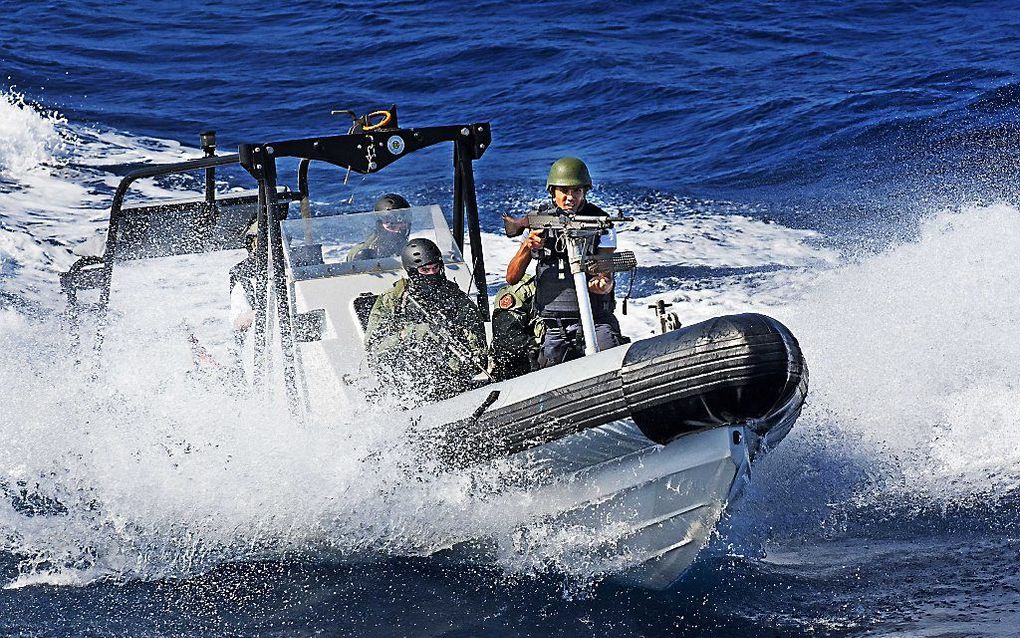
420,252
391,201
393,225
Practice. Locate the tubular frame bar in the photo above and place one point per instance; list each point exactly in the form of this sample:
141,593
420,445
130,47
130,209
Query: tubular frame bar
116,214
370,152
261,336
458,199
474,231
263,169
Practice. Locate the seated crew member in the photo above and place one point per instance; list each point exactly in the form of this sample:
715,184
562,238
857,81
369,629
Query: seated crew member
425,333
243,301
516,331
242,287
392,228
556,299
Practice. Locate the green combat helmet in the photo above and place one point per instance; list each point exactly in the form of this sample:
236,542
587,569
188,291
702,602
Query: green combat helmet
568,171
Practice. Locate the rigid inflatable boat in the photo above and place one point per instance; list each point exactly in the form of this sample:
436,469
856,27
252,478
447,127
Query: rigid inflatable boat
657,435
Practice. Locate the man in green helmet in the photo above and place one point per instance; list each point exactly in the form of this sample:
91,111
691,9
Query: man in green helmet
555,300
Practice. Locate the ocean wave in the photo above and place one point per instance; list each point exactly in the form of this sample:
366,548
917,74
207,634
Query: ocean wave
913,361
31,136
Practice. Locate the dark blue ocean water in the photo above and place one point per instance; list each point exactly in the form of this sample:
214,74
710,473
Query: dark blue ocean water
774,101
852,119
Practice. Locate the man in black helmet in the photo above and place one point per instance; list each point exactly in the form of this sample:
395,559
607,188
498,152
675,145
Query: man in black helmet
425,331
392,227
555,298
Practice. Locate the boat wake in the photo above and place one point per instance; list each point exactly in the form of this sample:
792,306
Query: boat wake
56,181
914,402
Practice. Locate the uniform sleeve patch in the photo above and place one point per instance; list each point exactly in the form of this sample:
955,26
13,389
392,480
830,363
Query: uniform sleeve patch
506,302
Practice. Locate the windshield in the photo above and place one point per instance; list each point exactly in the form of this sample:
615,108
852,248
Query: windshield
362,242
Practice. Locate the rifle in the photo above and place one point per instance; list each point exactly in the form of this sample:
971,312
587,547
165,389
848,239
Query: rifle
450,341
578,227
561,222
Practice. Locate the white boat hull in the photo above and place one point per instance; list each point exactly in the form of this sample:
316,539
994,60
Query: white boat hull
668,497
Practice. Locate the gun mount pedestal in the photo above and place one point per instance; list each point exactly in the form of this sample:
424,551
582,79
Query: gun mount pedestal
576,244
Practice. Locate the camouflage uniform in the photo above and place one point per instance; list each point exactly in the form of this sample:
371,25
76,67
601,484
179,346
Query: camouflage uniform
376,248
516,331
411,342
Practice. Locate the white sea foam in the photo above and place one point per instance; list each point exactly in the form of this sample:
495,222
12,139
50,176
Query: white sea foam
915,364
31,138
914,386
162,476
55,191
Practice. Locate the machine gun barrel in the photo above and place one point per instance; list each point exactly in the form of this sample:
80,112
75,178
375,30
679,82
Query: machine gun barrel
537,221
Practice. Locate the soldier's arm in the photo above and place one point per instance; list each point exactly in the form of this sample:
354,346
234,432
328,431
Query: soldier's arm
380,321
522,258
360,252
365,250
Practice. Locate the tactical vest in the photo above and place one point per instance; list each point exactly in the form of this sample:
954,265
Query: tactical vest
556,296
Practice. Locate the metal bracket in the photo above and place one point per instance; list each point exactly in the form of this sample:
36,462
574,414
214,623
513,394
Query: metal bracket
667,320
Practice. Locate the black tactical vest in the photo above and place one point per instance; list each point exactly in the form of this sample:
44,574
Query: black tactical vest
556,297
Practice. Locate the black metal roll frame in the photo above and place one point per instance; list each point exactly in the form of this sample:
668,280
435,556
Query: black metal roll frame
362,153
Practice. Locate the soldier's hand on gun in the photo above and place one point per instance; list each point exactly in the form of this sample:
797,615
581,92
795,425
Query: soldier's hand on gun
600,283
534,240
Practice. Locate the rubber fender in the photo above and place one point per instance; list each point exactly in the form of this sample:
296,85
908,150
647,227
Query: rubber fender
722,371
